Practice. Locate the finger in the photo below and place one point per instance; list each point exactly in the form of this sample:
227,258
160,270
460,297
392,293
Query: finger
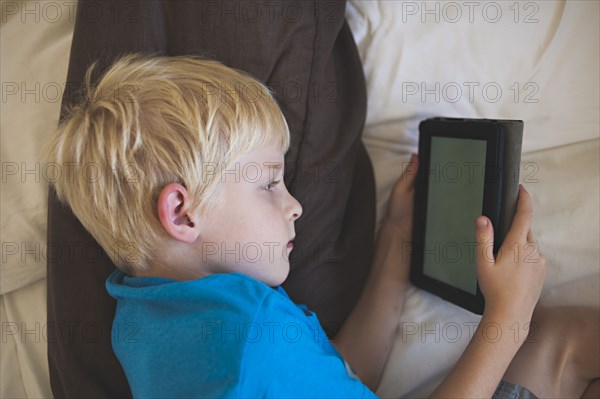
530,237
484,236
407,179
531,241
521,223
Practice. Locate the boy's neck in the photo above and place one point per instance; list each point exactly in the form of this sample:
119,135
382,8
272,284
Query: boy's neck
172,273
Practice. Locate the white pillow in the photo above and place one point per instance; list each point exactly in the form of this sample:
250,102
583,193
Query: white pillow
536,61
34,53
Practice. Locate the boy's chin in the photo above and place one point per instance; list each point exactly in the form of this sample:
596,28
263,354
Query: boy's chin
278,276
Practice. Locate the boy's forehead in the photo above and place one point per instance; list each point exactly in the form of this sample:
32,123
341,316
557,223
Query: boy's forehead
267,157
257,165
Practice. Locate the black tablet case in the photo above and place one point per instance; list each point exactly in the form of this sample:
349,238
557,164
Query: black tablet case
511,161
513,139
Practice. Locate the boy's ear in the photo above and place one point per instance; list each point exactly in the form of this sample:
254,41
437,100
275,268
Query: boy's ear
173,204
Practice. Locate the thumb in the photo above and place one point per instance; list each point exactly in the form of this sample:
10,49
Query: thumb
407,180
484,236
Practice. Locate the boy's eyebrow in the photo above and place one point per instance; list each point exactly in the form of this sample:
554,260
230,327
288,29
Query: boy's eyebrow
274,165
272,168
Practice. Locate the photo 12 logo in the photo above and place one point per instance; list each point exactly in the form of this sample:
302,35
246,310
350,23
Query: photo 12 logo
50,12
453,332
52,172
453,92
453,12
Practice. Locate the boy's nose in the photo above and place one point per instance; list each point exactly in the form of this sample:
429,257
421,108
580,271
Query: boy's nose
295,208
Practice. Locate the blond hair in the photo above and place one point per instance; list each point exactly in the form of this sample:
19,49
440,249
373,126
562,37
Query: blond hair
151,121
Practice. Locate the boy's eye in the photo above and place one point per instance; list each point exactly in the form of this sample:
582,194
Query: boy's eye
272,184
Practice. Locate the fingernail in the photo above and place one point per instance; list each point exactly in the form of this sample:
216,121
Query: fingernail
482,222
412,157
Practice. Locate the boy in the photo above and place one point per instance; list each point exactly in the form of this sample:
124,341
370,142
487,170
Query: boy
193,209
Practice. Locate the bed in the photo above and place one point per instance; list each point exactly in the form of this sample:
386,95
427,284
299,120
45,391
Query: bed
536,61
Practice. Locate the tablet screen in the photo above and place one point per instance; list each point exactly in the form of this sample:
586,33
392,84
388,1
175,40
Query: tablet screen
456,178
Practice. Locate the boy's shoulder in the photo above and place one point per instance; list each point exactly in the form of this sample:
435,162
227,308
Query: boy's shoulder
198,331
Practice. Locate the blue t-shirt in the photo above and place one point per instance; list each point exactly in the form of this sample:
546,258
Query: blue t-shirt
225,335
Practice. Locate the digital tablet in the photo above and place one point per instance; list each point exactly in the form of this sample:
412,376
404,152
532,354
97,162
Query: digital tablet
468,167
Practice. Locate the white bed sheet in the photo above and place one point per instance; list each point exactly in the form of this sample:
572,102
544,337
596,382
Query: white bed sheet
553,61
433,333
483,60
23,359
